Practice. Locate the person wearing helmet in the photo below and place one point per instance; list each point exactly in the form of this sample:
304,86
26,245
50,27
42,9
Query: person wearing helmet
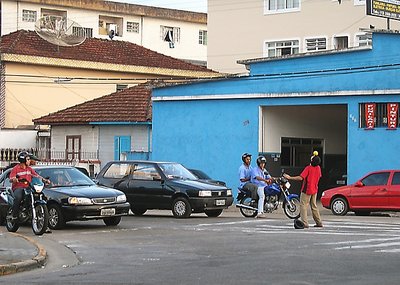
19,172
261,178
245,176
310,177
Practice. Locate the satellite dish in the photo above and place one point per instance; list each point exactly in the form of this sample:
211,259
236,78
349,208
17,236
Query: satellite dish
60,31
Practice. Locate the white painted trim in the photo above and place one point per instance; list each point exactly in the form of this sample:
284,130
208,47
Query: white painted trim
277,95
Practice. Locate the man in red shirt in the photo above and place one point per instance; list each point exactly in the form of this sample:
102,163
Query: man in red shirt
22,171
310,177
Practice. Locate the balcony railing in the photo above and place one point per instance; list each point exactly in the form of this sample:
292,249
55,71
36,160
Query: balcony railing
11,155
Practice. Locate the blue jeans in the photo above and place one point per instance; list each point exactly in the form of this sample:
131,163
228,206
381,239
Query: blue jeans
261,199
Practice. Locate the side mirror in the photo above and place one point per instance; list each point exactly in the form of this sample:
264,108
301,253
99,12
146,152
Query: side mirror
359,184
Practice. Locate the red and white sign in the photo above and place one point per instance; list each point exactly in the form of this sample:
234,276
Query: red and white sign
370,116
392,115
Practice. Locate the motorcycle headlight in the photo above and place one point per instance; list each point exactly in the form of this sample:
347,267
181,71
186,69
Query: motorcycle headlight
204,193
79,201
121,198
287,185
38,188
229,192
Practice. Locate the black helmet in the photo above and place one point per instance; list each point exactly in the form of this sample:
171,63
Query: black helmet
298,225
33,157
22,156
315,160
245,155
261,159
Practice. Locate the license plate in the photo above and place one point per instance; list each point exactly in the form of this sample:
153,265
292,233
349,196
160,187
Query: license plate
107,212
220,202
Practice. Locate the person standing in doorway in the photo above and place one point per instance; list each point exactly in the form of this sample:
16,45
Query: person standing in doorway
310,177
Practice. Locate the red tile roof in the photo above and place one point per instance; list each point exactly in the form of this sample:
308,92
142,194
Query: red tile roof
129,105
93,50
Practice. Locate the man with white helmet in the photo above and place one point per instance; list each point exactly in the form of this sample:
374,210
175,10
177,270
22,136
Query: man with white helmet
261,178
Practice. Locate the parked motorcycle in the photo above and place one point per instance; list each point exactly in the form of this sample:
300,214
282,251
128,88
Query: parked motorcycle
33,207
273,194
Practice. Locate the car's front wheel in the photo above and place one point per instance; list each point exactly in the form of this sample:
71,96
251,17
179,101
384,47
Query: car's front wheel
213,213
339,206
112,221
56,218
181,208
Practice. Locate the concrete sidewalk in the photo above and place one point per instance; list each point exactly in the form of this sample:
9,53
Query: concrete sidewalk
19,253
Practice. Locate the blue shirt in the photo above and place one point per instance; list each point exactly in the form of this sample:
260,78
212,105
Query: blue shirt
260,173
244,172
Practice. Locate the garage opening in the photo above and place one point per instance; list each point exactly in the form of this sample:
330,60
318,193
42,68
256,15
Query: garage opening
289,135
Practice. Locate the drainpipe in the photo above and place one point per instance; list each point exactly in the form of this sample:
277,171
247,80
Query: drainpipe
148,141
141,30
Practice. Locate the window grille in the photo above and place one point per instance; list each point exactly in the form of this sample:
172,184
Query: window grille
316,44
381,115
29,16
132,27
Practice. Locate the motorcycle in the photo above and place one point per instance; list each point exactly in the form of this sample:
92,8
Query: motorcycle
273,194
33,207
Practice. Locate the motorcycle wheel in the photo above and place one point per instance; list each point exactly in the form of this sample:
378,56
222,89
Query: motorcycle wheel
248,213
12,225
292,212
40,224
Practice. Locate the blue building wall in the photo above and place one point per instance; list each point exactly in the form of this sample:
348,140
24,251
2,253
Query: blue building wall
211,134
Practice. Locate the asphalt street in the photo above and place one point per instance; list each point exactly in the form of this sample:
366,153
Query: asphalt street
157,248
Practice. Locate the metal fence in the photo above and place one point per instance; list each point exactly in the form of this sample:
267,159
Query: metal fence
10,155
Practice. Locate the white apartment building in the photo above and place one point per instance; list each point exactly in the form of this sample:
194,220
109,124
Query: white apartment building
239,30
176,33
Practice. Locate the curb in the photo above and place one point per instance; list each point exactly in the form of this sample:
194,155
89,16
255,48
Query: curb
38,261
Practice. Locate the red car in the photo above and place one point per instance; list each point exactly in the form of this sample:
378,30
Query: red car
377,191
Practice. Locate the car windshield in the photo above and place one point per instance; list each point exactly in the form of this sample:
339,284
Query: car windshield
176,171
65,177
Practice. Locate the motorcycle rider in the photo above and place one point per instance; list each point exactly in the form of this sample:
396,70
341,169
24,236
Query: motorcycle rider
245,176
261,178
23,171
310,177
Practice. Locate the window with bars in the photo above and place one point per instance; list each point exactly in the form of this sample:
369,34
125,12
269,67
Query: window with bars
87,32
282,48
132,27
380,115
203,37
295,152
29,16
316,44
